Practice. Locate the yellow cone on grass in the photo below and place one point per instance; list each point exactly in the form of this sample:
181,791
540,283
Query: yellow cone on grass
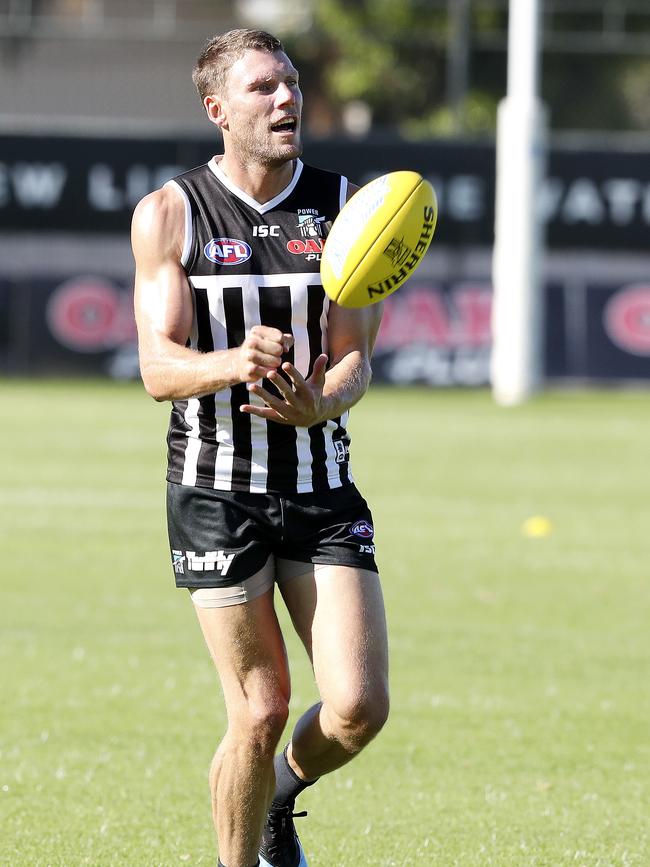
536,527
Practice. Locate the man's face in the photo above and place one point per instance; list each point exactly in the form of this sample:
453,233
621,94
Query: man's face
262,106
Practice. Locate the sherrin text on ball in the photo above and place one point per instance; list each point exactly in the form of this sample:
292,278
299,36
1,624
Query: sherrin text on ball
378,239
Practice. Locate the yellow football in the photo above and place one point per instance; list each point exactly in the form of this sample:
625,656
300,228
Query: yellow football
378,239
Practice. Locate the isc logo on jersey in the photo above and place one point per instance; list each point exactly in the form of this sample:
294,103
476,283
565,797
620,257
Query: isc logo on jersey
227,251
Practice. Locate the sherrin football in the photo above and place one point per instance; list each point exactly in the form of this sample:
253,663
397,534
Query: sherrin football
378,239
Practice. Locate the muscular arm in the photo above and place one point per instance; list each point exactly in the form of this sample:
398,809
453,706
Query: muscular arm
164,314
352,335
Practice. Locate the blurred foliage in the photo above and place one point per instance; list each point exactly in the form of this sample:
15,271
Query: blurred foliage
394,57
636,92
596,92
476,116
378,55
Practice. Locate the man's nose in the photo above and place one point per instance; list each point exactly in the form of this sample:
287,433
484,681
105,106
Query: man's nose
285,95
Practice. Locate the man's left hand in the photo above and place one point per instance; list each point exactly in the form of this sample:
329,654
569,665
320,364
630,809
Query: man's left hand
301,400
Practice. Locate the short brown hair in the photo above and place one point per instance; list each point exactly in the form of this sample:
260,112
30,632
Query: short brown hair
220,52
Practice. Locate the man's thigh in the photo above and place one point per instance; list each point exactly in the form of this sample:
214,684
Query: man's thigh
221,553
338,611
246,645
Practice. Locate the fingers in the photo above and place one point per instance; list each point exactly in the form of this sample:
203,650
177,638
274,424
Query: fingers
318,371
300,384
262,351
271,336
267,332
294,375
268,398
254,365
274,409
280,383
287,408
265,345
298,401
264,412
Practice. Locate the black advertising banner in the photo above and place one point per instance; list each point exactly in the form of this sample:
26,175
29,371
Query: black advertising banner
83,184
66,272
68,326
434,333
590,198
618,332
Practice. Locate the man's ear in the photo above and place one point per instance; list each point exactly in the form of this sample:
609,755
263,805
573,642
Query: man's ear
214,108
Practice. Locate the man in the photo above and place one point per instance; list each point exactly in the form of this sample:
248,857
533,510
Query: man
235,329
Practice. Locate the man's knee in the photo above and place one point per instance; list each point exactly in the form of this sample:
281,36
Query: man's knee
260,723
357,719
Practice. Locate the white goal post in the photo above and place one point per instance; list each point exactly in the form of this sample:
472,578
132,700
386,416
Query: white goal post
517,312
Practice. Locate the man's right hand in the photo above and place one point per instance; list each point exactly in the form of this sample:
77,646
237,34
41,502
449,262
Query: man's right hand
260,353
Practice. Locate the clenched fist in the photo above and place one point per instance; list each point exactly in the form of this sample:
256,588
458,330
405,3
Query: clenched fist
260,353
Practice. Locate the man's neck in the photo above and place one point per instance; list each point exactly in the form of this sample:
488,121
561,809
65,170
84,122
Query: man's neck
261,183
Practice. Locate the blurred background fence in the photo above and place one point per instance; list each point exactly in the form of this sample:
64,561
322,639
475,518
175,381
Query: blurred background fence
97,108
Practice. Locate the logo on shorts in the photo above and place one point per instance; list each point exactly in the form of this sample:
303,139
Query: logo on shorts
362,529
211,561
178,559
227,251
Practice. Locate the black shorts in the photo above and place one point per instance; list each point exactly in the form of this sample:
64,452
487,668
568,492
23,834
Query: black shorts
220,538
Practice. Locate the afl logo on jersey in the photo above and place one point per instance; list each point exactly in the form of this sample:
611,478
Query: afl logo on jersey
227,251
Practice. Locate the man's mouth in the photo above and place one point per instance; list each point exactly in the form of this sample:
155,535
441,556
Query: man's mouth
286,125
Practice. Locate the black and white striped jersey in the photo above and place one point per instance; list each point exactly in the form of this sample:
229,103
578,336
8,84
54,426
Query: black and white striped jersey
251,264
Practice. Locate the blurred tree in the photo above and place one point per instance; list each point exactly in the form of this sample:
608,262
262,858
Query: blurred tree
390,56
409,62
396,58
636,93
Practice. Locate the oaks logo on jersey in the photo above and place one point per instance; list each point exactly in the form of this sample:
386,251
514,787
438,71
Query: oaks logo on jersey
227,251
311,248
362,529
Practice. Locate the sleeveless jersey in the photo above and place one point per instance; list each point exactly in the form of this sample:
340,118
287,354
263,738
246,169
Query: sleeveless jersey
251,264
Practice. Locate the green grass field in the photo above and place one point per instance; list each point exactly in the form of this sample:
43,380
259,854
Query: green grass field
520,727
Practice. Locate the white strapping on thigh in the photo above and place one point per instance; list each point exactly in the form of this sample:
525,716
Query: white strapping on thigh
236,594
